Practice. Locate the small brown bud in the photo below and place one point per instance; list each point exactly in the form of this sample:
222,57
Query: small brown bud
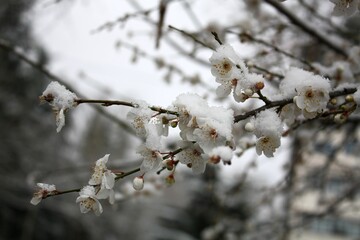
215,159
259,85
165,120
170,180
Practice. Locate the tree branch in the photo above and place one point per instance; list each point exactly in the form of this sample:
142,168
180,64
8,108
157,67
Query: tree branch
281,103
311,32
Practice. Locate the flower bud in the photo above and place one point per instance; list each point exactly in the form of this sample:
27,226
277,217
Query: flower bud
169,164
349,98
138,183
249,127
170,180
173,124
249,92
215,159
340,118
333,101
164,120
259,85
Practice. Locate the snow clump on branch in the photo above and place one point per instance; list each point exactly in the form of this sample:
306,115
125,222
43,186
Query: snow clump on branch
268,129
209,127
310,92
232,74
44,191
60,99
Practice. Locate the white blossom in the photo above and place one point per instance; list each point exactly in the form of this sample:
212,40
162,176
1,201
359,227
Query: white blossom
223,61
140,117
89,201
105,178
60,99
208,136
289,113
44,191
312,99
151,158
268,145
208,126
192,155
232,74
310,92
268,130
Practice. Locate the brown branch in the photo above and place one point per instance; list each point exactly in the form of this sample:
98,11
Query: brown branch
216,36
110,25
105,103
119,176
5,45
192,37
284,102
160,24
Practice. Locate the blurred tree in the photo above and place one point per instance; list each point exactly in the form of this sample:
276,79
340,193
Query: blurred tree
29,143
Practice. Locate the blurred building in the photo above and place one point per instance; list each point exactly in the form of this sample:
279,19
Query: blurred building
326,193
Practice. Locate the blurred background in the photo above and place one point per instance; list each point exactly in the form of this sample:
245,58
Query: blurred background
107,50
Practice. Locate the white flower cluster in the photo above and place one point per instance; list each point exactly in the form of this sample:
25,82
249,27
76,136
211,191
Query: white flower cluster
310,93
209,127
345,7
268,128
232,74
151,126
100,186
60,99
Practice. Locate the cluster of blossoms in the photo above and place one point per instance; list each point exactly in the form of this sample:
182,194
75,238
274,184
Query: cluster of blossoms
209,127
206,132
100,186
202,129
232,74
310,93
60,99
150,126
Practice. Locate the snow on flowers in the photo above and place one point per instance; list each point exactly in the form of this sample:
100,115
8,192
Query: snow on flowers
60,99
233,75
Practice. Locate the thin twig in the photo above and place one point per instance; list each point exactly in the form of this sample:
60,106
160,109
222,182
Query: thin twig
106,103
216,36
246,36
301,24
192,37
